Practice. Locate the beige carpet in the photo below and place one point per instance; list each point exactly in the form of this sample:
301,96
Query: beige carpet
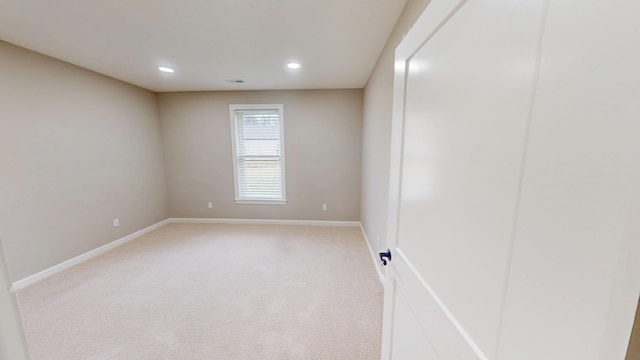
203,291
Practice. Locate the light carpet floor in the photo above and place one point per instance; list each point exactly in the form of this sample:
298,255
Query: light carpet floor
213,291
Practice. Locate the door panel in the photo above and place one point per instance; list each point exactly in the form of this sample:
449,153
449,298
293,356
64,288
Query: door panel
576,251
438,325
466,108
409,335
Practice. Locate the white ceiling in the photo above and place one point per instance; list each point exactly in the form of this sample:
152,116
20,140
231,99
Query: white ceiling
209,41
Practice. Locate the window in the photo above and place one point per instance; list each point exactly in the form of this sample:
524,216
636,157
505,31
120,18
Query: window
258,153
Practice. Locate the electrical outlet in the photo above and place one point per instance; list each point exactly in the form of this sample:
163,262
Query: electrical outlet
210,205
324,207
116,222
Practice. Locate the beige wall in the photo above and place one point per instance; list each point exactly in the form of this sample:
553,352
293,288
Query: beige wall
323,153
77,149
12,341
376,131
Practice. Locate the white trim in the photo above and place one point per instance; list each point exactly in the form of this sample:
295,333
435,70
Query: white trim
374,259
263,222
30,280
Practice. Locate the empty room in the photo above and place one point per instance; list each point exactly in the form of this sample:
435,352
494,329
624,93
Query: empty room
345,180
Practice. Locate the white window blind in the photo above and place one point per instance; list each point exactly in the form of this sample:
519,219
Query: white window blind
258,140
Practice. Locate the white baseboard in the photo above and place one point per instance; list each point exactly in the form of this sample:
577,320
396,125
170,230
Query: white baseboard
264,222
374,258
30,280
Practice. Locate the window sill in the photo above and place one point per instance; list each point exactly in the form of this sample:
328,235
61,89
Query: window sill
260,202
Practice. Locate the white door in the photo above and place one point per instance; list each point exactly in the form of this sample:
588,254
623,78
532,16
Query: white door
462,103
464,210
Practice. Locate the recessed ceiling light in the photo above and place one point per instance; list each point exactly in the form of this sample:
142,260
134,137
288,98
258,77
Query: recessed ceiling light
165,69
293,65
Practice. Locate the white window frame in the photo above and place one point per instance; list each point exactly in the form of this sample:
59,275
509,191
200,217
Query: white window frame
234,139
